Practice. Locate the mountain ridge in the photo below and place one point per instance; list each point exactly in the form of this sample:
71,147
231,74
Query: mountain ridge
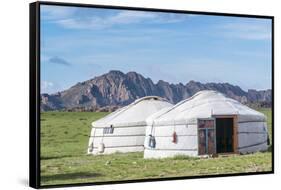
115,89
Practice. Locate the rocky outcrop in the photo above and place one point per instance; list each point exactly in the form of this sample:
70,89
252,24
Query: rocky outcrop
116,89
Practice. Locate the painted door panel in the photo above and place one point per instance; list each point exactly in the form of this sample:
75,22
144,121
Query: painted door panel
202,142
206,136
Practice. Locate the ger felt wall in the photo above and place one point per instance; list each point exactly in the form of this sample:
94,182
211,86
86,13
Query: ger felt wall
123,139
187,140
251,137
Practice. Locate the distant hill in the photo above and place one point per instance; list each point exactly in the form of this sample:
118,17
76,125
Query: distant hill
115,89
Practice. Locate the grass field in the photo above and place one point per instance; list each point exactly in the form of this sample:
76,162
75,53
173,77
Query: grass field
64,140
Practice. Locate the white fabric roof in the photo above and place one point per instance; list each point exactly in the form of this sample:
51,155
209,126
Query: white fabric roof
204,104
134,114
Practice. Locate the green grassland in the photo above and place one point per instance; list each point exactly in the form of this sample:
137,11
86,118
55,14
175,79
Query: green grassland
64,140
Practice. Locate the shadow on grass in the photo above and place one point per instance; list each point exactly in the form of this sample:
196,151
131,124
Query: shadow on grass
50,157
269,149
184,157
56,157
69,176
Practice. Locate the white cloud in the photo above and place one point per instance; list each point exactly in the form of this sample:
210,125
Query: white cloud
56,12
128,17
49,87
46,85
121,18
248,30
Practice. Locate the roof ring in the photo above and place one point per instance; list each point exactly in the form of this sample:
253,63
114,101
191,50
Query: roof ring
149,98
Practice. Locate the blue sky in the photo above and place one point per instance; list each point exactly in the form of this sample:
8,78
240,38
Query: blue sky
80,43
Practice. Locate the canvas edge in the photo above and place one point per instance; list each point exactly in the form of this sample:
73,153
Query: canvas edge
34,96
34,114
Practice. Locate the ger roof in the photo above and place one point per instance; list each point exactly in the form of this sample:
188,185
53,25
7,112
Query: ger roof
204,104
134,114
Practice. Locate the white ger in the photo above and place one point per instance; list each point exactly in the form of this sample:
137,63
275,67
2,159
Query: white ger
208,123
124,129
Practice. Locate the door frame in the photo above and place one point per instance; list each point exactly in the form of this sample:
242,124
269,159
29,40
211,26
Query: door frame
235,130
215,139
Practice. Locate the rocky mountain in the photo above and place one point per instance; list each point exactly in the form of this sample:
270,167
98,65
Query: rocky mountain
114,89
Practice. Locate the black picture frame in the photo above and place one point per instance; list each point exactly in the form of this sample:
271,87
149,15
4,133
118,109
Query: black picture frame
34,91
